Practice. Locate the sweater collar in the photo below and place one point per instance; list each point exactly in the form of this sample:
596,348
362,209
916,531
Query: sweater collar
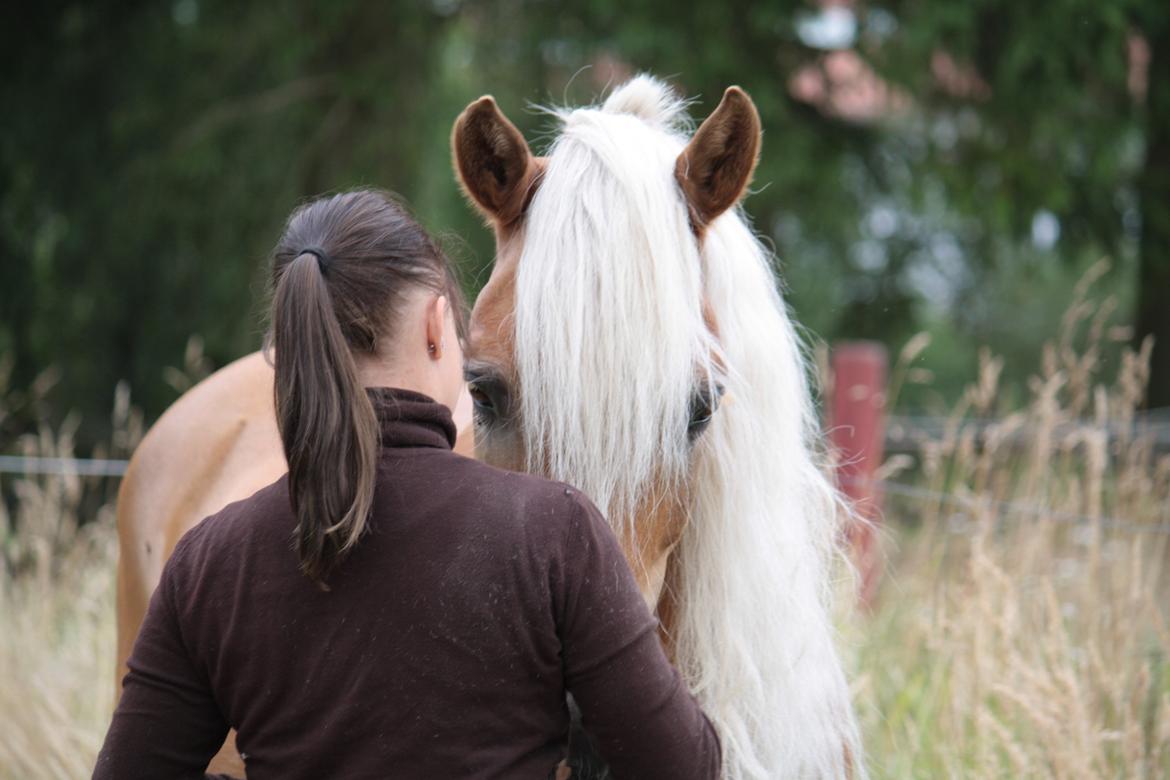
411,419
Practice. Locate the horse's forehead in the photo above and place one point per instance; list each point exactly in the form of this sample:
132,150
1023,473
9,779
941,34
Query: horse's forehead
492,320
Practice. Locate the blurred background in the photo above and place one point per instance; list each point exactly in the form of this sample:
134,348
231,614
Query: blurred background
982,187
943,167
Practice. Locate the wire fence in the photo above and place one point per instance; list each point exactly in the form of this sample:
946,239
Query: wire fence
82,467
905,432
1016,508
1156,424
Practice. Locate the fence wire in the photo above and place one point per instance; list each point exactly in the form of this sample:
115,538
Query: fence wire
1008,508
82,467
98,467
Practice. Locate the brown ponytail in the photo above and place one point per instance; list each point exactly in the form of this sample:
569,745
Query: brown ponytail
340,270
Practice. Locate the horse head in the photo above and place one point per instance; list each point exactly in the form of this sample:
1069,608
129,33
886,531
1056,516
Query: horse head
577,333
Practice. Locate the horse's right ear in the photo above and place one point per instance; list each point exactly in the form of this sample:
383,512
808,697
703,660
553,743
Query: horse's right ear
717,165
492,160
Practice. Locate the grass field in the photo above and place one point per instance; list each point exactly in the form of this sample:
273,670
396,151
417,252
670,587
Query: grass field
1020,629
1022,624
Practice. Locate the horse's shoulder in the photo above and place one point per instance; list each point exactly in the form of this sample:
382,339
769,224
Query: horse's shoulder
241,524
234,396
216,444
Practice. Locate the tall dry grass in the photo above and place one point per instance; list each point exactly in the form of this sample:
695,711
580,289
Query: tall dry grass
1020,629
57,559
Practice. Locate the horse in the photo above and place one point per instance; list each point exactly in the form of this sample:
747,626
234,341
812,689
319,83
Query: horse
631,340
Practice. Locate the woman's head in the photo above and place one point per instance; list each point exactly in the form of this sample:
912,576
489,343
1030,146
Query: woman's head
360,291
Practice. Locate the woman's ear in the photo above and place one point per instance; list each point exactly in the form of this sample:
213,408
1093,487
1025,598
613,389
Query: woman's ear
436,326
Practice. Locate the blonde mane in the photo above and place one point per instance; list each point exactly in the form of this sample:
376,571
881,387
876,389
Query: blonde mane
611,345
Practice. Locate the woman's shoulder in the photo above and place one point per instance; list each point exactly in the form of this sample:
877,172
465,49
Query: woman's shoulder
520,498
515,485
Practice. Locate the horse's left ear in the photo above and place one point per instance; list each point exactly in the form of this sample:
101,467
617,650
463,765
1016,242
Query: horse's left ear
717,164
492,159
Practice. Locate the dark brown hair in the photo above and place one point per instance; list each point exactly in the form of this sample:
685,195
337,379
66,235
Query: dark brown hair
340,273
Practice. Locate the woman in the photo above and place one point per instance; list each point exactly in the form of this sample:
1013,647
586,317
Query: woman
389,608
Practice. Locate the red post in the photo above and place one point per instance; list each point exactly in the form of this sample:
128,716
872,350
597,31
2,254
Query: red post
857,429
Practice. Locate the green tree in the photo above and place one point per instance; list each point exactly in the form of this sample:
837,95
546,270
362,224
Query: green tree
150,153
153,152
1067,122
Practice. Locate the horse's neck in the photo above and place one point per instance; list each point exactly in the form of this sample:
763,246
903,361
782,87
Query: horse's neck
666,609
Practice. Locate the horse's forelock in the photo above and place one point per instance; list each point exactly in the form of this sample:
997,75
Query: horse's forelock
651,100
610,336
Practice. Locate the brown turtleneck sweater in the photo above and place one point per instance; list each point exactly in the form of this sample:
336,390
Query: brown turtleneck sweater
443,648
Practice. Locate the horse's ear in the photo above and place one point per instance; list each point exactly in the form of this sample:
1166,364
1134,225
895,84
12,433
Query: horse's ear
717,164
492,160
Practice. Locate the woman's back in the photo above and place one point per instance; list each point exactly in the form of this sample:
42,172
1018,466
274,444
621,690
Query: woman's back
436,651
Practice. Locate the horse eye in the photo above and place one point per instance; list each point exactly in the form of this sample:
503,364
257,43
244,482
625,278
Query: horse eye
481,400
489,396
704,404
